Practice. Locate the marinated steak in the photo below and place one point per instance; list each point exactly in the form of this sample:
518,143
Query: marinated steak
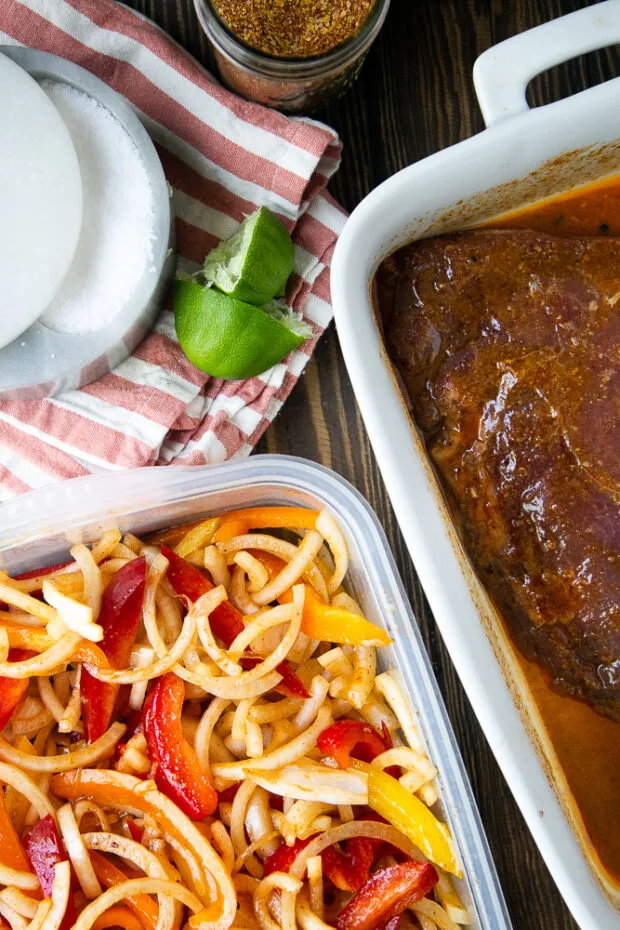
508,342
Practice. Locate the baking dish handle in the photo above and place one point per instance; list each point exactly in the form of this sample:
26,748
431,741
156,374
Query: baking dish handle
502,73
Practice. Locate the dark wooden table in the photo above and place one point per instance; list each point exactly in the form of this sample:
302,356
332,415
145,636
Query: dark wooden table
415,96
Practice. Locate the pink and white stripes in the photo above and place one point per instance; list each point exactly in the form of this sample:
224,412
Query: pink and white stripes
222,157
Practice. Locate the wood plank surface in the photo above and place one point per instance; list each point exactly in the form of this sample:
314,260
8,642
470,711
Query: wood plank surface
415,96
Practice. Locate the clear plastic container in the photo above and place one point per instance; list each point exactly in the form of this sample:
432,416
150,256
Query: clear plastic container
290,84
37,529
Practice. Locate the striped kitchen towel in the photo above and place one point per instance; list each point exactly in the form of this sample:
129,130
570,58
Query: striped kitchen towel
223,157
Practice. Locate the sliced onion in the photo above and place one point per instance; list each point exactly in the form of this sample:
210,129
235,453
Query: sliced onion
306,917
139,855
203,608
226,687
361,684
277,880
155,669
78,758
389,688
51,918
93,586
155,570
314,783
23,783
285,755
331,532
223,844
15,920
22,904
284,550
305,554
369,828
258,576
75,616
46,662
427,908
106,545
205,728
135,886
74,844
24,880
31,605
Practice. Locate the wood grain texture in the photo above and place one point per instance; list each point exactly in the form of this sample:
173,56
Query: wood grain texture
415,96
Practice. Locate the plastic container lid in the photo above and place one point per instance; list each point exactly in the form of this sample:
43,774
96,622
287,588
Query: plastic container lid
40,200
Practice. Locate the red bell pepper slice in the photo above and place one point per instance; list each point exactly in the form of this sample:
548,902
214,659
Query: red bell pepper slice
121,610
178,773
12,690
349,867
44,849
35,572
386,894
135,830
227,796
281,859
348,870
225,621
347,738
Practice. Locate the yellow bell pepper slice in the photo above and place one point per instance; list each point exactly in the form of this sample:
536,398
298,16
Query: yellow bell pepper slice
197,537
408,814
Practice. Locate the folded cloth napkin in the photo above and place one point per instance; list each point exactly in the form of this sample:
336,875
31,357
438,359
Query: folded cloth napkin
223,157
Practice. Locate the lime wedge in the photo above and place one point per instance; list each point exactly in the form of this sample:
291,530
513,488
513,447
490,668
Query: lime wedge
254,264
228,338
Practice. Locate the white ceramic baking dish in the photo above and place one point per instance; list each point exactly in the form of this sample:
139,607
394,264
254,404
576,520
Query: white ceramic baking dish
522,156
37,529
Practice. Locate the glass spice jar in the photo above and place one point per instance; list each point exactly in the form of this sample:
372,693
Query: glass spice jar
289,84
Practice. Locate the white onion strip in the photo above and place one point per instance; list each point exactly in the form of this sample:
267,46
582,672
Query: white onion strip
23,783
78,758
286,754
46,662
304,556
155,570
24,880
74,844
203,608
331,532
369,828
284,550
93,587
155,669
135,886
139,855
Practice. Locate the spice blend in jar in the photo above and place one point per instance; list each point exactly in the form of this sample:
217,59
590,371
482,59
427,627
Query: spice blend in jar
292,54
293,28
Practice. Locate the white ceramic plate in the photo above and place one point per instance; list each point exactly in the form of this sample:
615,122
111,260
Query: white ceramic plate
522,156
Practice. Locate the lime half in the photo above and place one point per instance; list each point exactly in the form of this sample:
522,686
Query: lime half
254,264
228,338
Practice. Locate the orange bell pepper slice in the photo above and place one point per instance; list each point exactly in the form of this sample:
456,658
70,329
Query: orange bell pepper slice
142,906
322,621
12,852
118,916
22,636
124,792
239,522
